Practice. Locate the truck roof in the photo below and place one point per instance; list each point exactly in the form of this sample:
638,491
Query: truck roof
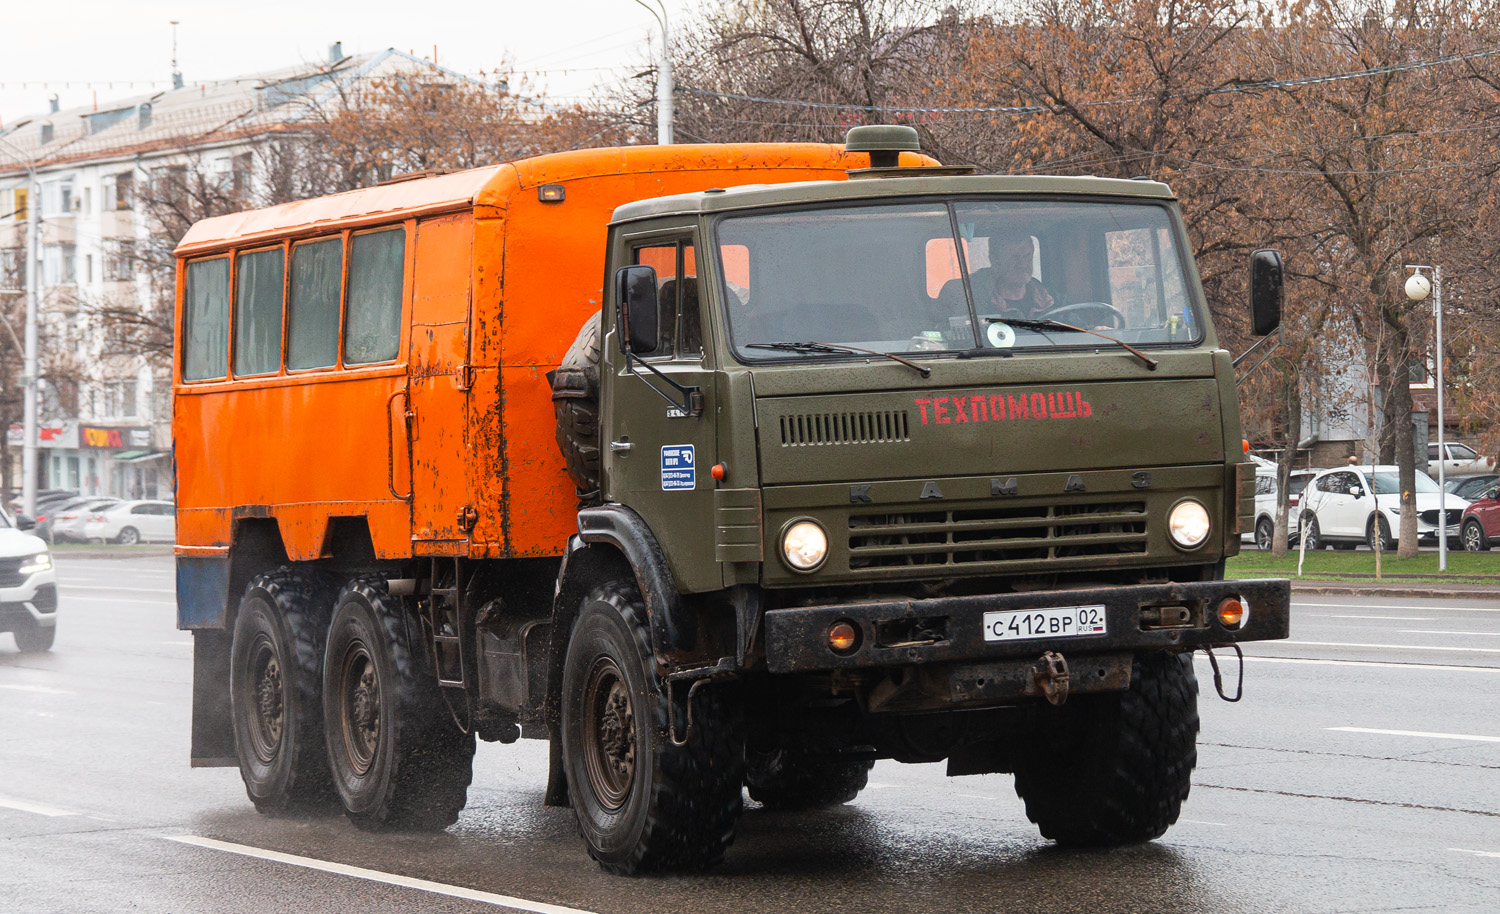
908,185
494,184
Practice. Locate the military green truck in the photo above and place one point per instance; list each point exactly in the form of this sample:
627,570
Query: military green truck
921,466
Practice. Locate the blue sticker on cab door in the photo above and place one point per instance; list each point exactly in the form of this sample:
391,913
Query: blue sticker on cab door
677,471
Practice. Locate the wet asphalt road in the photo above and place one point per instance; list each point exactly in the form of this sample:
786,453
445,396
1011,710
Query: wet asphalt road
1360,773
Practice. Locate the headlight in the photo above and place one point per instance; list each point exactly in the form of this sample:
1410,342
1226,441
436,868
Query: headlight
1188,524
39,562
804,545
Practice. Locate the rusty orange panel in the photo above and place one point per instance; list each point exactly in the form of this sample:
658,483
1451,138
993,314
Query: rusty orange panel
542,509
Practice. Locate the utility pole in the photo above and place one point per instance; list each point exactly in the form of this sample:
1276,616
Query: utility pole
1418,288
33,283
664,104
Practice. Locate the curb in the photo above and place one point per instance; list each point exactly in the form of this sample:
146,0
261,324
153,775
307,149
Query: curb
1438,591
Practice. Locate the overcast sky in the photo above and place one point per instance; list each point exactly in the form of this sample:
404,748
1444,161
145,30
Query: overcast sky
93,43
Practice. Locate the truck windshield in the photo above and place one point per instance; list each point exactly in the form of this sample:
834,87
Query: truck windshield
946,277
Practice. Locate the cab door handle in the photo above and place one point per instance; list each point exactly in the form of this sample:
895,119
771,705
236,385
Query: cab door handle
620,447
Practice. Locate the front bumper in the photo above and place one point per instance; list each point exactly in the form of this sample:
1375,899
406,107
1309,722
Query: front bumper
30,603
910,632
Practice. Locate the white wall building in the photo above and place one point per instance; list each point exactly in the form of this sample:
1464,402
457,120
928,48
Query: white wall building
110,433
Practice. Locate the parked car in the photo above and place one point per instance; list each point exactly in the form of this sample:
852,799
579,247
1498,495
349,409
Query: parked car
1469,487
131,522
67,522
1461,460
48,512
1481,522
1267,501
1351,505
28,588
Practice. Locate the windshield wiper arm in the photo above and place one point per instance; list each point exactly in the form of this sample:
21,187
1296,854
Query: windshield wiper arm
1049,324
922,370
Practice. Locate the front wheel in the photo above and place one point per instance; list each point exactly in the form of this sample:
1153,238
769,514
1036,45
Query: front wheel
1113,768
1378,535
1474,537
398,758
643,802
32,638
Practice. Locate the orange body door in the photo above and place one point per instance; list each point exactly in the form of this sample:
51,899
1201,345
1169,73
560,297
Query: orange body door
441,472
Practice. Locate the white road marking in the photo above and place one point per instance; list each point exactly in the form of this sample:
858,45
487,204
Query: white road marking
1381,618
40,690
170,591
1461,736
1420,631
1437,609
1395,647
359,872
1464,850
1381,664
1201,822
37,808
75,598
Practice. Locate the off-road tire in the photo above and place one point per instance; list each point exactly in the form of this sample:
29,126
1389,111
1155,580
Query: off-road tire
128,537
575,402
35,639
643,803
399,760
276,691
1113,768
1385,542
1265,533
1473,534
785,779
1312,536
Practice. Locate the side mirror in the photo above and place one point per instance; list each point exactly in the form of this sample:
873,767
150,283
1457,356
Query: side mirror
637,314
1265,292
1357,493
24,523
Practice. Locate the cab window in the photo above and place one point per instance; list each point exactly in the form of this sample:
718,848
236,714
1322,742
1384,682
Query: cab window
205,320
681,325
313,306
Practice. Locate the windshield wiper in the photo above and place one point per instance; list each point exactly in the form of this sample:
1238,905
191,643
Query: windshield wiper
922,370
1059,325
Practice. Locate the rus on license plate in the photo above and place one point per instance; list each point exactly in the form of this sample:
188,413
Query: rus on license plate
1053,622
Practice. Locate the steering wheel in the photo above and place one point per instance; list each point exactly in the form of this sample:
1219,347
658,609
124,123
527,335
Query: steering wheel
1103,312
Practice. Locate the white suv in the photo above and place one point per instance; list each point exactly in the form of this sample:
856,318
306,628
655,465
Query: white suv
1352,505
28,588
1266,502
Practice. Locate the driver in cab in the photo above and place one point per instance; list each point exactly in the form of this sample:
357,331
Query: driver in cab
1007,288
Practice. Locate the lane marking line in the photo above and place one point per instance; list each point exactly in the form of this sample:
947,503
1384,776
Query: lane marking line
1201,822
1464,850
1381,618
1454,609
37,808
1379,664
1462,736
113,589
359,872
1395,647
1418,631
40,690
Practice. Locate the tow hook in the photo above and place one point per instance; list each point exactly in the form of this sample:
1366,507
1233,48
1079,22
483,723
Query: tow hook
1050,677
1239,691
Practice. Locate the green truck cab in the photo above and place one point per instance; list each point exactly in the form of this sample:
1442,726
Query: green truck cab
919,466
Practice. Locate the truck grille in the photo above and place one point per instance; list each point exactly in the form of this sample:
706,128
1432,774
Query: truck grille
975,536
874,427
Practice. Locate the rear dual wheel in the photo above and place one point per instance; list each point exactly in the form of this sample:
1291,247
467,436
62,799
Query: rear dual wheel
399,759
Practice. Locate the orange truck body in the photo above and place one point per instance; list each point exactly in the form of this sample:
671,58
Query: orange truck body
449,449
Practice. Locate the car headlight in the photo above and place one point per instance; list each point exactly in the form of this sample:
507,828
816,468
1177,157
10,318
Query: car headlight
804,545
1188,524
39,562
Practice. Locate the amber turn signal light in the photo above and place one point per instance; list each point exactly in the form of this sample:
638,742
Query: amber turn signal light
719,471
1245,444
1232,612
842,637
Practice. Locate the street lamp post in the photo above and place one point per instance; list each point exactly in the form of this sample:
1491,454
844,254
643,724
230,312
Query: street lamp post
663,75
33,281
1418,287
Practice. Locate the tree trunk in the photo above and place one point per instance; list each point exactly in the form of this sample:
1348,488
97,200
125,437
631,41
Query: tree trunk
1293,426
1399,416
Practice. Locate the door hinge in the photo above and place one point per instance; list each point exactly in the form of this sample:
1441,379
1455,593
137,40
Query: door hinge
468,516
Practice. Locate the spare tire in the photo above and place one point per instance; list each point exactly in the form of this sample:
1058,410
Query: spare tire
575,401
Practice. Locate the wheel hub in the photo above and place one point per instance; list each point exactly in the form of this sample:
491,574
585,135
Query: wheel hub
609,734
361,709
268,695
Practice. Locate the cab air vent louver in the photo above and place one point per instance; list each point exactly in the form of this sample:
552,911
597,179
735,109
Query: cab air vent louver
844,428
